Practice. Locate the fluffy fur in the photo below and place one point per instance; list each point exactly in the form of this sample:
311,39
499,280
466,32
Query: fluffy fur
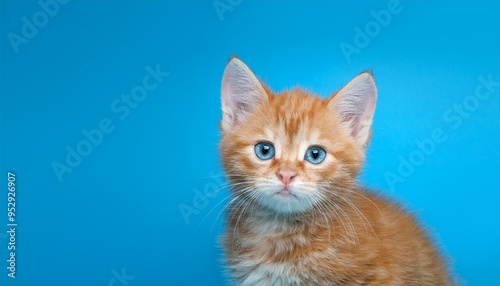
326,230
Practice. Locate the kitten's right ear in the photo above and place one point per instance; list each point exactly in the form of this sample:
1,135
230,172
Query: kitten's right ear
241,93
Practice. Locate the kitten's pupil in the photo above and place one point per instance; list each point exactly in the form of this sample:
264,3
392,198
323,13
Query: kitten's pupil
265,149
315,154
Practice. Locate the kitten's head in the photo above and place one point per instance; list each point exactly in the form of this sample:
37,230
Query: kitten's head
289,151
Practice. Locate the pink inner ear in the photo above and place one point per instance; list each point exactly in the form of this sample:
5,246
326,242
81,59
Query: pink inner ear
236,104
355,104
239,107
362,126
241,92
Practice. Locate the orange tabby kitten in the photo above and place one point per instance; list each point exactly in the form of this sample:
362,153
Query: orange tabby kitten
297,216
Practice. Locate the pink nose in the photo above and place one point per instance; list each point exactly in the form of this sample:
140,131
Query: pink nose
286,176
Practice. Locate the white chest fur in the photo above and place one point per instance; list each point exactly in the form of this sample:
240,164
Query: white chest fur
259,273
270,237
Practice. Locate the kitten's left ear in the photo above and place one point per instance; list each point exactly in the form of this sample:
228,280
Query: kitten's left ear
355,103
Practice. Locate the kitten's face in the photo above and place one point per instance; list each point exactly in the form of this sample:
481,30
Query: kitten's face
287,152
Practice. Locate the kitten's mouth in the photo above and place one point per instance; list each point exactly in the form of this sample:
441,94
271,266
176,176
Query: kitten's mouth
285,192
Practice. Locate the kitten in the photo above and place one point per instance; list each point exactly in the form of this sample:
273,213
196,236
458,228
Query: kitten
297,215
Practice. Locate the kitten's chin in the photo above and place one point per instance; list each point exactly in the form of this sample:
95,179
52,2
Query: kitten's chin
285,201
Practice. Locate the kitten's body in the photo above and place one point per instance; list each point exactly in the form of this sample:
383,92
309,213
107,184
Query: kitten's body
316,226
263,249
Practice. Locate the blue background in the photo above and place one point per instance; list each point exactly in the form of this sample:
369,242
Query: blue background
119,208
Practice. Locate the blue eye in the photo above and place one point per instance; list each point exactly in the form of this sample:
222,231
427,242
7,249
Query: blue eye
264,150
315,155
